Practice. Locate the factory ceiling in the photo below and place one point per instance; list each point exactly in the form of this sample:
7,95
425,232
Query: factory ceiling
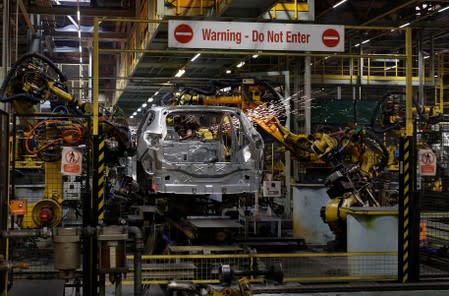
54,28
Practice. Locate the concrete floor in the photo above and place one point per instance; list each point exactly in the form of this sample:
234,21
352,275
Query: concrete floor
155,291
54,288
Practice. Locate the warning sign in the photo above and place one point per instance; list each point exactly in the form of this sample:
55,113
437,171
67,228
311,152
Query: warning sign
331,38
427,162
71,161
255,36
183,33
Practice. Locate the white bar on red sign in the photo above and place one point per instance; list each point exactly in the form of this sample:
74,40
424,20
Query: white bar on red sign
255,36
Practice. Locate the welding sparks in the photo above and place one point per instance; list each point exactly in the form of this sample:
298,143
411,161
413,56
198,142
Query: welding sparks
276,109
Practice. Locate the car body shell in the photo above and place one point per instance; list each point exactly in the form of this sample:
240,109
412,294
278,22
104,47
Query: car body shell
227,160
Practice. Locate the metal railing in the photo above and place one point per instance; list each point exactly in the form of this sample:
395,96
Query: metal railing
297,267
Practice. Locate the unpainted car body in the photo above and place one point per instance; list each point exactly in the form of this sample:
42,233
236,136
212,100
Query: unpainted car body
198,150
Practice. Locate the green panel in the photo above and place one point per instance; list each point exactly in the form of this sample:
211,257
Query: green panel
341,112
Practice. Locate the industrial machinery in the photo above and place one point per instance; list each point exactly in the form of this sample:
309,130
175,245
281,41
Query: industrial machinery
199,161
356,159
51,168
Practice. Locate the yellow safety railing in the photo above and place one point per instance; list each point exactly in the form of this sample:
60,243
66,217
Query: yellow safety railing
373,69
442,71
291,7
192,7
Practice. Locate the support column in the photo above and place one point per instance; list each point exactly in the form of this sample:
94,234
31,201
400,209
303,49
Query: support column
420,72
408,249
4,185
307,95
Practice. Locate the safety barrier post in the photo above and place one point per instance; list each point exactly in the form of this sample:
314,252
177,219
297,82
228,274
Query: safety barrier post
408,251
4,185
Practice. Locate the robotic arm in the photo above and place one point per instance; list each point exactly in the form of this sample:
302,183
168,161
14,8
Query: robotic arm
34,78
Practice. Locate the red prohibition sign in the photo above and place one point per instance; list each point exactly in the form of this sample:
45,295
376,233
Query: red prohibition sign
183,33
330,38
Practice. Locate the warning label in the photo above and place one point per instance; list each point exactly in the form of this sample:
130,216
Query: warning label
255,36
427,162
71,161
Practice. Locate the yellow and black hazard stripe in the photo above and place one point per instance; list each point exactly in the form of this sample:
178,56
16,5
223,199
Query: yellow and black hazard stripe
405,181
100,181
409,216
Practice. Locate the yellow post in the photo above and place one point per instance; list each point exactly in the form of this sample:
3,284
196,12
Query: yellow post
296,10
95,71
408,82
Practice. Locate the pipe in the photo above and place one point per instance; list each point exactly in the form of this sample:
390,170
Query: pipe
43,232
138,251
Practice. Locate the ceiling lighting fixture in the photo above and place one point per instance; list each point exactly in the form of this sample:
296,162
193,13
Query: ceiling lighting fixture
426,57
135,113
139,109
389,68
195,57
404,25
366,41
131,117
180,73
239,65
228,71
255,56
144,105
443,9
357,45
386,60
156,93
339,3
150,100
73,22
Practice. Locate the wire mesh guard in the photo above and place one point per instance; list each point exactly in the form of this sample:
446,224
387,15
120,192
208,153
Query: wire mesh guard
433,185
296,267
49,181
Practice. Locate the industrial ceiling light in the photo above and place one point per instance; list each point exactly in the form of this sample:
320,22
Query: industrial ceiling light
228,71
139,109
135,113
392,67
144,105
131,117
404,25
180,73
255,56
443,9
239,65
195,57
150,100
363,42
156,93
339,3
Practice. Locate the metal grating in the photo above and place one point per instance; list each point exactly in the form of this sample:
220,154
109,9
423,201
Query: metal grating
433,191
297,267
47,186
